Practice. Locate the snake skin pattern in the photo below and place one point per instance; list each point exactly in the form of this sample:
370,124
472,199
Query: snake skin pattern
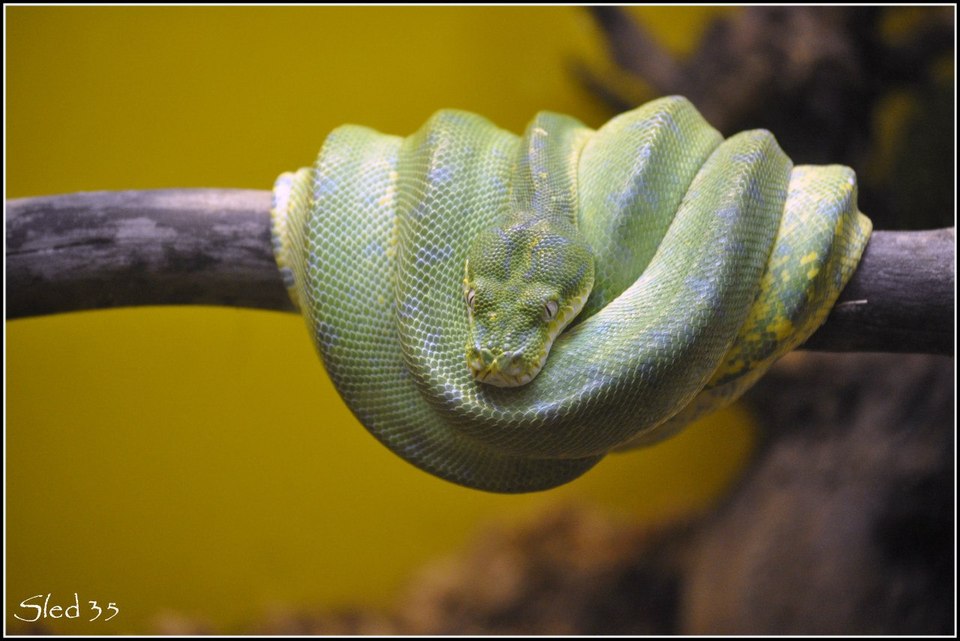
713,258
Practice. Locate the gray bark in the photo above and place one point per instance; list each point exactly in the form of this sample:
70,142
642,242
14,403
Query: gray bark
127,248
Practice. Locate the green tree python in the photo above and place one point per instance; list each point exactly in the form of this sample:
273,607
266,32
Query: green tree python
663,268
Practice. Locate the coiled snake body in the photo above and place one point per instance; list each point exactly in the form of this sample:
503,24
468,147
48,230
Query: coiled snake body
711,258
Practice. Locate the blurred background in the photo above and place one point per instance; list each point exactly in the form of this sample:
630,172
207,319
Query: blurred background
196,465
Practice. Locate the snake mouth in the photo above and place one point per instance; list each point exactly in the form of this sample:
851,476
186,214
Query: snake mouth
512,369
506,369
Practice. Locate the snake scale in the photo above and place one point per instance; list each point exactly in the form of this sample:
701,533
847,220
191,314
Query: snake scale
698,262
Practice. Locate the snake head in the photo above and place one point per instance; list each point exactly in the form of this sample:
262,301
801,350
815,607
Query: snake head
524,283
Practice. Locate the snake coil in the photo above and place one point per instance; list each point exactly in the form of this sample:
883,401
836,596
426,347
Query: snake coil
713,258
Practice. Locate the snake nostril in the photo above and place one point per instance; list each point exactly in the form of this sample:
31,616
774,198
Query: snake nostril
512,363
474,362
480,358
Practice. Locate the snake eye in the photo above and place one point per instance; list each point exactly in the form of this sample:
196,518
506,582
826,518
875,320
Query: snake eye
471,294
550,310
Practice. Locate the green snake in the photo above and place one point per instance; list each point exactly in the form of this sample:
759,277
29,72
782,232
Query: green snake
667,267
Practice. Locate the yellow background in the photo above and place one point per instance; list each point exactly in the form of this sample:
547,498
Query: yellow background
198,460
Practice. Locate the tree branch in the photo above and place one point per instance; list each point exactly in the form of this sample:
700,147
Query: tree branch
900,299
212,247
95,250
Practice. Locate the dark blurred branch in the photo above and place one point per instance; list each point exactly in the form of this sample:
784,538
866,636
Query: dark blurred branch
773,63
635,51
212,247
867,87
